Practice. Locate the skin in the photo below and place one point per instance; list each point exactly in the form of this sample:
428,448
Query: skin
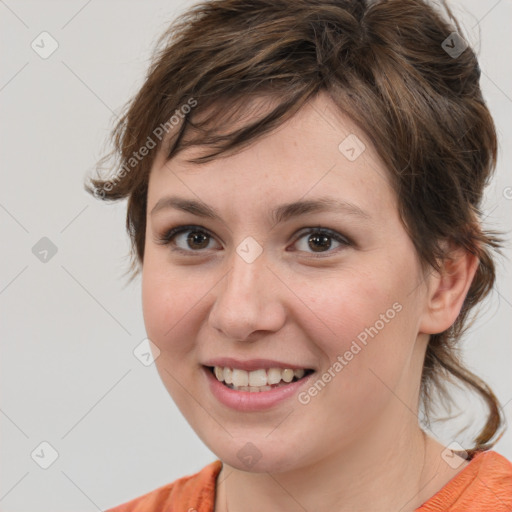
356,445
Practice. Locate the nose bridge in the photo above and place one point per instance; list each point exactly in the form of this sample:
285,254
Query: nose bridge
244,301
248,264
242,280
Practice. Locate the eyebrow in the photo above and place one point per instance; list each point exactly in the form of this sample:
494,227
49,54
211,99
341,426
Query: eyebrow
280,214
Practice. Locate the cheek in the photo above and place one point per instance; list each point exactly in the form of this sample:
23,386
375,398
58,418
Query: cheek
170,308
352,306
168,301
366,332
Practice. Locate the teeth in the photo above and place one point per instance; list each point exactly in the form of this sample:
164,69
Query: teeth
228,375
274,375
219,373
256,380
240,378
299,373
287,375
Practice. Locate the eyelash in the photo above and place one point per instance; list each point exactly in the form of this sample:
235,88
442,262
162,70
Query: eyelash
167,238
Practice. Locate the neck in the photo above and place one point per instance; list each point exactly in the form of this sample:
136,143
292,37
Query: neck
357,478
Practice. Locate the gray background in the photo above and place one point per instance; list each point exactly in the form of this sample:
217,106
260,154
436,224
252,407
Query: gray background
69,325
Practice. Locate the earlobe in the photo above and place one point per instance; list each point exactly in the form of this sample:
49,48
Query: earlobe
447,291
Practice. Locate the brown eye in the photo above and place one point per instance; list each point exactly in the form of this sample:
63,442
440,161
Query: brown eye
320,241
187,239
197,240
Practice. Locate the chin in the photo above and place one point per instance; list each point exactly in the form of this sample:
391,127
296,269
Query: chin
257,454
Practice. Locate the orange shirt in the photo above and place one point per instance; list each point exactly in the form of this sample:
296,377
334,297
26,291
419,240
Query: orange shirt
484,485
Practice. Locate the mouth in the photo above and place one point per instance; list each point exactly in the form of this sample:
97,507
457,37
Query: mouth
258,380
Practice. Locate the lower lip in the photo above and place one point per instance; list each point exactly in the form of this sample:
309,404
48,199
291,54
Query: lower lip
252,401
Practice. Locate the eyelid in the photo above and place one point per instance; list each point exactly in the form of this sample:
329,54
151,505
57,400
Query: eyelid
327,231
168,234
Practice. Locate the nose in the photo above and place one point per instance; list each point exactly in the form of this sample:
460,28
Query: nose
249,301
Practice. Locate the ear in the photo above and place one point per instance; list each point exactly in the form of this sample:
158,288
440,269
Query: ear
447,291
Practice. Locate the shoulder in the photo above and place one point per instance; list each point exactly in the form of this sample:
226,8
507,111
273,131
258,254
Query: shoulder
484,484
195,491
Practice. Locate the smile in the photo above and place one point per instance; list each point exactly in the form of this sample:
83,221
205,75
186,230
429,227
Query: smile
262,379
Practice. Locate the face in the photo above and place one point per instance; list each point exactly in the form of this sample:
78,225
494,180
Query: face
326,295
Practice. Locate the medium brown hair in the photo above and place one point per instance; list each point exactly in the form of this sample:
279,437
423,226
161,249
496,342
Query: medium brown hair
385,64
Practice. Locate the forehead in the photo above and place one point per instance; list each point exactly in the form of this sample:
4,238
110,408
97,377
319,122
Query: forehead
318,152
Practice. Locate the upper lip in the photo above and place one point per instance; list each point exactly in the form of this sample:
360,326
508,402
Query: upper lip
251,364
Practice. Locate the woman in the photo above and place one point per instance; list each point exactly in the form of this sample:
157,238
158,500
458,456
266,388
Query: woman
304,181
